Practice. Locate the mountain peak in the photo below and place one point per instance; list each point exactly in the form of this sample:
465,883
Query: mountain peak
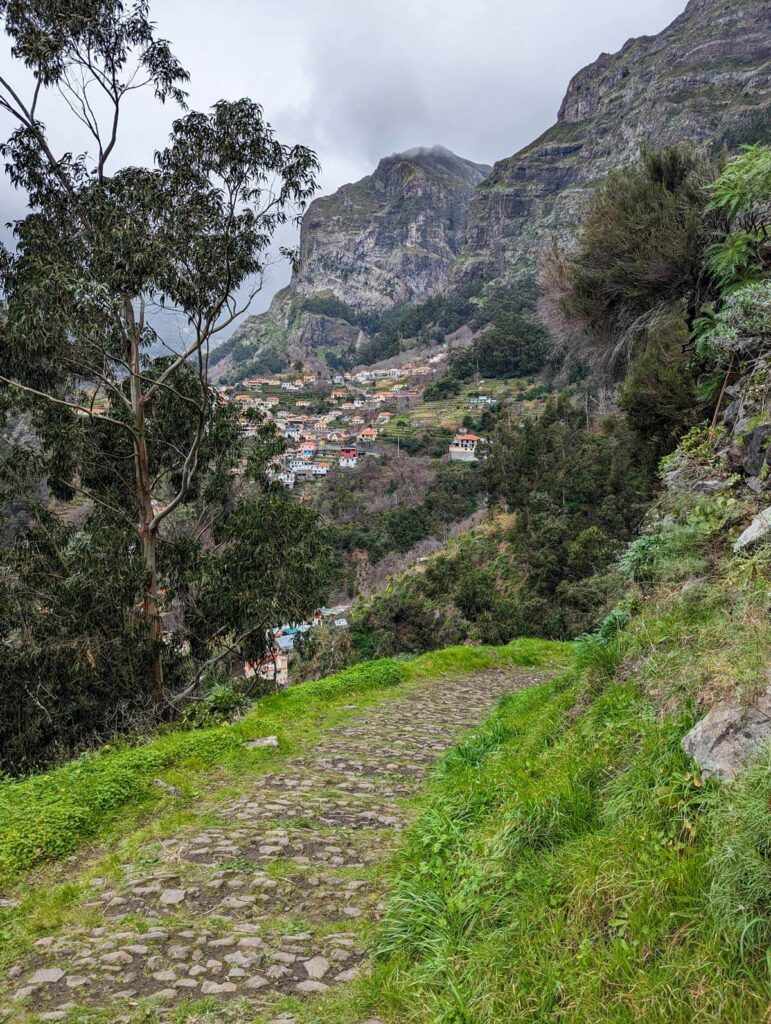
438,160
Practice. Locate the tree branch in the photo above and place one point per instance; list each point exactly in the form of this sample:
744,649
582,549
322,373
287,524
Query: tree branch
69,405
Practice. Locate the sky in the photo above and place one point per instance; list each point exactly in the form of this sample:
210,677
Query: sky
360,79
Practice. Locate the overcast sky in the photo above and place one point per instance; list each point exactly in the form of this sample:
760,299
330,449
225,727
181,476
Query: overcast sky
360,79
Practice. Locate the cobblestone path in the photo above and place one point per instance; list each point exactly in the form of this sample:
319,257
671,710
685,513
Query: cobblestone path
272,897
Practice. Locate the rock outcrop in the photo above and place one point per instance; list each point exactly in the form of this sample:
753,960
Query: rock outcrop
391,237
706,78
387,240
729,736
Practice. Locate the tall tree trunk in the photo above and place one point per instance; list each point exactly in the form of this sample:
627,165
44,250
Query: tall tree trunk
147,533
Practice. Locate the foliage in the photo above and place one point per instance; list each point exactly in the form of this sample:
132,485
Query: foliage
577,495
659,396
444,387
739,328
75,667
697,446
453,495
741,194
222,702
512,342
120,601
426,322
639,256
322,651
516,345
329,305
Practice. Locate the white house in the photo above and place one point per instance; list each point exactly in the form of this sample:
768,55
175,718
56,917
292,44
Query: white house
348,457
274,667
464,447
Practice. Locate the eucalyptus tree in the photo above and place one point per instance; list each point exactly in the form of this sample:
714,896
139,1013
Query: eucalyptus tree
102,250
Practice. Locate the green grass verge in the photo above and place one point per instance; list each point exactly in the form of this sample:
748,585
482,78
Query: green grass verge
569,863
571,866
50,815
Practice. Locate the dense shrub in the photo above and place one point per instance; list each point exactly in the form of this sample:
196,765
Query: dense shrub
454,495
426,321
516,345
329,305
444,387
640,253
659,395
578,495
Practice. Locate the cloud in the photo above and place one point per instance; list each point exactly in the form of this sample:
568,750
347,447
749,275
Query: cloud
359,79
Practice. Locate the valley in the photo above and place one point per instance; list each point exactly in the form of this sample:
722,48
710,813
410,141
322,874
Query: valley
402,658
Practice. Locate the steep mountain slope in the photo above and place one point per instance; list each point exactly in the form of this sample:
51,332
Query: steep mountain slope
388,239
707,78
393,237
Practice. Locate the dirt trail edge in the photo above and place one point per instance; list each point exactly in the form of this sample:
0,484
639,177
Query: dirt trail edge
271,898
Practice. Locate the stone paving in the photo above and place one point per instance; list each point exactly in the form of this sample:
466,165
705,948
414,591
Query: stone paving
270,900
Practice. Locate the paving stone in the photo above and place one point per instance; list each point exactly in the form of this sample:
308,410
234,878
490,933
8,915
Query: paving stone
316,968
47,976
171,897
282,957
308,987
277,971
256,982
350,975
213,988
337,806
118,957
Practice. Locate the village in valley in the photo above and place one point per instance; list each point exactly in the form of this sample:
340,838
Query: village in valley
334,423
337,422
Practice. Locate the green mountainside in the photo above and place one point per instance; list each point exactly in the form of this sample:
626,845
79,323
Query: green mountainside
522,774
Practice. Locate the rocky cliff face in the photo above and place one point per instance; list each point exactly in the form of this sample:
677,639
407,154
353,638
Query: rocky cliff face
391,237
427,220
707,78
388,239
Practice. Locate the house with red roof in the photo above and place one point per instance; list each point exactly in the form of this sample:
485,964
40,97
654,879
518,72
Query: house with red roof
463,448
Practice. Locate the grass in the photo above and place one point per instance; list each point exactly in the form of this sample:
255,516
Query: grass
50,815
137,827
447,415
569,862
